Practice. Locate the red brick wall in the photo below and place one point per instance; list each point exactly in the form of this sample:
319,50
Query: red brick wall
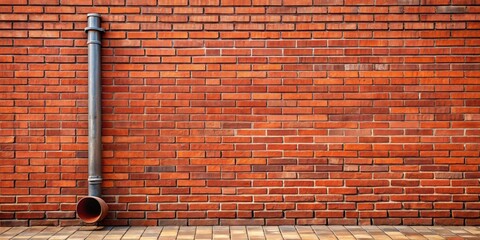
245,111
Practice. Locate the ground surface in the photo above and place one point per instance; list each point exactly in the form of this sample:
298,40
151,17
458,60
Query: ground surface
243,232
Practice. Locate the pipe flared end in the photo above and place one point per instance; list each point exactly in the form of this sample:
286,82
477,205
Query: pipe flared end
93,23
92,209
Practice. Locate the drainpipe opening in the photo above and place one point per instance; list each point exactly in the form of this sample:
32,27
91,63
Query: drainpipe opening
92,209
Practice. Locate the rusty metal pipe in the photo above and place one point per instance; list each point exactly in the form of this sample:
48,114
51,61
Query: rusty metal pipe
92,208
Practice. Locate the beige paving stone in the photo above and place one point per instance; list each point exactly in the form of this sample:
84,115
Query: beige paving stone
31,231
151,233
473,230
341,233
428,233
221,233
255,233
116,233
238,232
62,233
80,235
306,233
462,232
410,233
272,233
324,233
169,233
358,232
289,233
186,233
99,234
393,232
12,232
204,233
444,232
4,229
376,233
133,233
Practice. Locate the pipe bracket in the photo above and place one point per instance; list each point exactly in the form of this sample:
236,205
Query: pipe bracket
94,42
94,29
95,180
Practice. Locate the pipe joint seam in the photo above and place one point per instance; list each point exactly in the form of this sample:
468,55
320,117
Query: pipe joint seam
95,179
98,29
94,42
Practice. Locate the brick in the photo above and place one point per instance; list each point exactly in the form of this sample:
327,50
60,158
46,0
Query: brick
236,2
170,35
297,2
204,2
450,9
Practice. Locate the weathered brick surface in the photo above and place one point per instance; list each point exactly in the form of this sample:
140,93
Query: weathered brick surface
245,111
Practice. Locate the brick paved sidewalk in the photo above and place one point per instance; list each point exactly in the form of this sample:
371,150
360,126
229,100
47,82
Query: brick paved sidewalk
242,232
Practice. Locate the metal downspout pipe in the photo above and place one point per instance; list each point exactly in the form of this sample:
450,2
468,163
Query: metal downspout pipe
92,208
